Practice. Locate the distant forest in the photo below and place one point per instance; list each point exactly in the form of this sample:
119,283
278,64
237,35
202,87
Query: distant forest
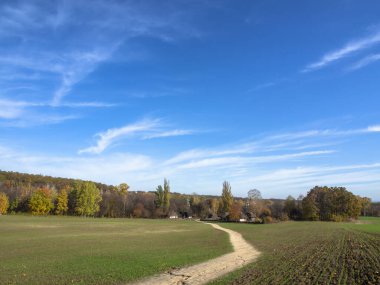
43,195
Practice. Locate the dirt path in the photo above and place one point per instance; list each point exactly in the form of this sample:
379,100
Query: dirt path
204,272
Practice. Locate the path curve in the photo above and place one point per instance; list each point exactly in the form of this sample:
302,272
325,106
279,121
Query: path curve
204,272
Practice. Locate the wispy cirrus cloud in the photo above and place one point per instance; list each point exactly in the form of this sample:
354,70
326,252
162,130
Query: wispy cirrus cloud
57,44
286,146
171,133
145,129
347,50
364,62
232,161
19,113
291,161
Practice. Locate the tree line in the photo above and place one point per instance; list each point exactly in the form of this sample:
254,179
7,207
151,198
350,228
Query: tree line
43,195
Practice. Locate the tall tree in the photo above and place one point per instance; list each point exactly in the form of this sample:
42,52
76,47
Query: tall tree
235,211
366,205
62,202
123,190
166,195
4,203
214,205
290,207
227,197
40,202
87,199
159,201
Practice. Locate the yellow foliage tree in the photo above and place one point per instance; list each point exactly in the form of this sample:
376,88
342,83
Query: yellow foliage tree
4,203
41,202
62,202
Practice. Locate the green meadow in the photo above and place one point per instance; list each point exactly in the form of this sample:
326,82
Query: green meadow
73,250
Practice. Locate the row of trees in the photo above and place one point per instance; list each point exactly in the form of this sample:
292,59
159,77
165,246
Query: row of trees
40,196
320,204
83,200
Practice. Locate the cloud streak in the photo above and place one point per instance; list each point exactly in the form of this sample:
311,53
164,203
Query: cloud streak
272,163
146,129
60,43
347,50
365,61
20,113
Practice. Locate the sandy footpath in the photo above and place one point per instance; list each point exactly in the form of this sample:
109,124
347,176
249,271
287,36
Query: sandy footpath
209,270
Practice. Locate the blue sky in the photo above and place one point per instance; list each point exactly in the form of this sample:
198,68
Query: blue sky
278,96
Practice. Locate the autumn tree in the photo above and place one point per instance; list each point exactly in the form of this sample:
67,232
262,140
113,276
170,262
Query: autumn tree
4,203
235,211
123,191
291,208
40,202
331,204
366,205
87,199
62,202
214,205
227,197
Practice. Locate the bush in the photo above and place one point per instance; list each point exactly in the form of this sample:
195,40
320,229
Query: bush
267,220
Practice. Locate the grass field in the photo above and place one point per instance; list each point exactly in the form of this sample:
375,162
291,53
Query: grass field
72,250
311,253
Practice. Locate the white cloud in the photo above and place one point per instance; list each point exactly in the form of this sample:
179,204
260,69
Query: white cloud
347,50
20,113
62,42
145,129
365,61
115,168
373,129
232,161
173,133
276,171
111,135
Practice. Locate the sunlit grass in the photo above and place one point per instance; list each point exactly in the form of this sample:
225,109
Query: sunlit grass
73,250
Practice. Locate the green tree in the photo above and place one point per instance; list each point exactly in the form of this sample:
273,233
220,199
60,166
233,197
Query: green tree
227,197
159,200
14,205
4,203
40,202
62,202
166,201
87,199
331,204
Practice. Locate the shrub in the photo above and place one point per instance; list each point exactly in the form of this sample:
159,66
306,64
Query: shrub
267,220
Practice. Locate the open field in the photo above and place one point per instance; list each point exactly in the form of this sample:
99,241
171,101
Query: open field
72,250
311,253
